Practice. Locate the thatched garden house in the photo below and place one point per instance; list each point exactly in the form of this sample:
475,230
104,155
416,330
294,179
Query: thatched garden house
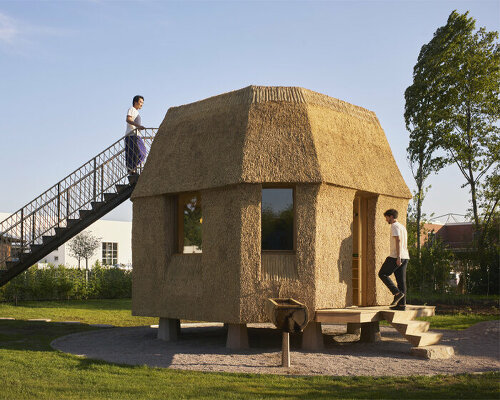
257,193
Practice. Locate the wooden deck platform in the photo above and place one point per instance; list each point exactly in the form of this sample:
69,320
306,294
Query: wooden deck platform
370,314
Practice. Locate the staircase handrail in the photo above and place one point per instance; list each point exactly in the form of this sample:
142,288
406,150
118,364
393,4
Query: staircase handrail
62,189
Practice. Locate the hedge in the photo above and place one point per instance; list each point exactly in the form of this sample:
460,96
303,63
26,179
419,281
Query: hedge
62,283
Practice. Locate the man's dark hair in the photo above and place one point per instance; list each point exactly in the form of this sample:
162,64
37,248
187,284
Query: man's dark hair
136,99
392,212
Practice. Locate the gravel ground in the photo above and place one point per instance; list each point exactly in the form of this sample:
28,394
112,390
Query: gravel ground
202,348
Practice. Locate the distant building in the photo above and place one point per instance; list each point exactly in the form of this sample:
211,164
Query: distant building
115,246
458,236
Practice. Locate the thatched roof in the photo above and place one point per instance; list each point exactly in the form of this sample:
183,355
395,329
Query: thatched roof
264,134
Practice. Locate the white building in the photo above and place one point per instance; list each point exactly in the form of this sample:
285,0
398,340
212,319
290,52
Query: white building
115,245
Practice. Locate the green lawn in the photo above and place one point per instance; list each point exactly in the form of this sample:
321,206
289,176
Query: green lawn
115,312
30,369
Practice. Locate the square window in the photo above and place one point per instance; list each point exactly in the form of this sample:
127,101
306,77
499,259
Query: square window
109,253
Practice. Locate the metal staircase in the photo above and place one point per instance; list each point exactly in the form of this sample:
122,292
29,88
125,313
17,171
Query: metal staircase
72,204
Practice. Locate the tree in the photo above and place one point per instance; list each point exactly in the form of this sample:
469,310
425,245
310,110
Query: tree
456,99
424,142
84,246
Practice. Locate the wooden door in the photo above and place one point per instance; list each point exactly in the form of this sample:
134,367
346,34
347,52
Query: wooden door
359,243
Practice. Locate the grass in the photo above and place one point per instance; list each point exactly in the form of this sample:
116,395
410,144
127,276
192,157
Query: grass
115,312
30,368
457,321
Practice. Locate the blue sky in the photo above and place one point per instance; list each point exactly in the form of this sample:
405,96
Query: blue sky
70,68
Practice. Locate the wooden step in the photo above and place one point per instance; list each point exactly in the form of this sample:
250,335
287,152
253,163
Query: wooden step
424,339
397,316
412,327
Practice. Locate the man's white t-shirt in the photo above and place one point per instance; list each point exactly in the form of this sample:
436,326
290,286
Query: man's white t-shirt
134,113
399,230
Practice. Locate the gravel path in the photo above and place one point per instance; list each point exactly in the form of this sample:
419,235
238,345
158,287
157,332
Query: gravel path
202,348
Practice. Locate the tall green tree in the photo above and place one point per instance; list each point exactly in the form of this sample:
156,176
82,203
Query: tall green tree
425,138
456,96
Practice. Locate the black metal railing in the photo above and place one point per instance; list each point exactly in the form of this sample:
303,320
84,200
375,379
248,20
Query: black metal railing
76,192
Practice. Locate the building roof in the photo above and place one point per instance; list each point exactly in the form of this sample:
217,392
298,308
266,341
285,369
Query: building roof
264,134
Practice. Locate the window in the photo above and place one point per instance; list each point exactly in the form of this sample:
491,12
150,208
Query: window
189,223
277,219
56,258
109,253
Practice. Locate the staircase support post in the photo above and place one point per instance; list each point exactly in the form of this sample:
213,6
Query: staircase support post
370,332
95,179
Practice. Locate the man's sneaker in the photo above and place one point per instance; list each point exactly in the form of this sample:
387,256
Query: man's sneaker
398,308
397,297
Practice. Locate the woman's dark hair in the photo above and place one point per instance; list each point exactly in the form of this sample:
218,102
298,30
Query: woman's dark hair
392,212
136,99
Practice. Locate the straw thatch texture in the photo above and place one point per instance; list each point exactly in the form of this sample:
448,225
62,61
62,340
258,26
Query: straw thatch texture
333,281
270,134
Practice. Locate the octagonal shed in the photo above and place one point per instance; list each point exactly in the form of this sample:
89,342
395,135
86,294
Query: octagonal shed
227,149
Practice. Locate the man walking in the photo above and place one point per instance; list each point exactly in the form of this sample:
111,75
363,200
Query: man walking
396,262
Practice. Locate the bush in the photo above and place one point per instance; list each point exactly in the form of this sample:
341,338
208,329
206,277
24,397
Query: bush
62,283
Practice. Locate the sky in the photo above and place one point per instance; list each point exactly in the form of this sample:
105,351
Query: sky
69,69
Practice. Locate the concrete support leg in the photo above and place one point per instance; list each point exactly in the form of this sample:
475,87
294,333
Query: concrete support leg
237,337
370,332
169,329
312,337
353,328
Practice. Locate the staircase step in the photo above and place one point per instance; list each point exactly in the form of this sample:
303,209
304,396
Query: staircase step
71,221
35,247
85,213
397,316
412,327
47,239
59,230
109,196
424,339
121,188
133,178
96,204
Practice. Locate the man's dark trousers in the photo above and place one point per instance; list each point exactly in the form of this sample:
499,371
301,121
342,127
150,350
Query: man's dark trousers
390,267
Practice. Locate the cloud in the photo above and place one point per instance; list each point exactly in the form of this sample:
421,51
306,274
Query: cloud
14,32
9,30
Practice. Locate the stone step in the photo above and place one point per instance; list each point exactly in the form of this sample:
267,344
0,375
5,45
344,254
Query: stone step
424,339
412,327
